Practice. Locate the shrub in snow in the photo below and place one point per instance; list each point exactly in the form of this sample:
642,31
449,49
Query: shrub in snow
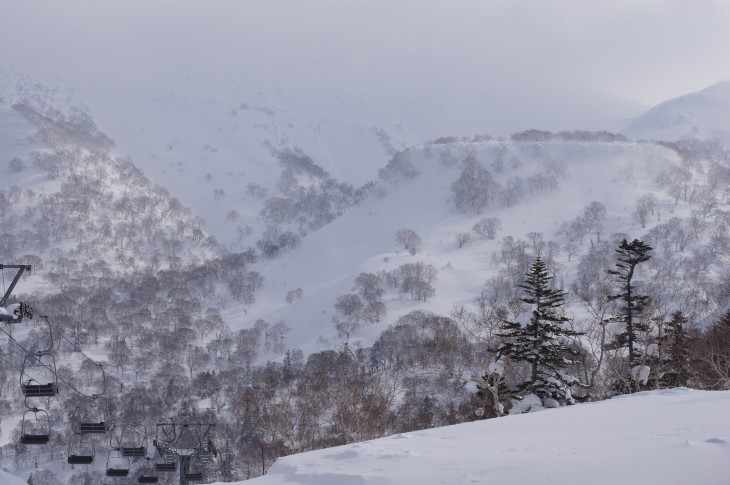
529,403
640,374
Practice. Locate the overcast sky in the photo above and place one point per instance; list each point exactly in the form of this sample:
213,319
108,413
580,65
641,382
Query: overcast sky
633,53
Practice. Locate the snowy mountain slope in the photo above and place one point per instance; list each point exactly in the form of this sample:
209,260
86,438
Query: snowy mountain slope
329,259
363,239
703,114
542,185
326,264
208,140
670,437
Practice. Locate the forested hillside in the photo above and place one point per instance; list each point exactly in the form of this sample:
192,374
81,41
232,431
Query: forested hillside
346,313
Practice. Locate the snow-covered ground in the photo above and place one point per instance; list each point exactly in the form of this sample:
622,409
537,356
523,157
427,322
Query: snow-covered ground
8,479
677,436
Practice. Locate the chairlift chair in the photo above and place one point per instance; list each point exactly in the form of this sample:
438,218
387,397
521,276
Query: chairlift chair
93,428
116,464
36,431
39,367
165,466
80,450
165,462
194,477
146,473
89,419
192,469
131,441
165,459
134,451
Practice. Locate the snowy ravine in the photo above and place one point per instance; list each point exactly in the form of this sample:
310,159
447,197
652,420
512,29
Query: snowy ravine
677,436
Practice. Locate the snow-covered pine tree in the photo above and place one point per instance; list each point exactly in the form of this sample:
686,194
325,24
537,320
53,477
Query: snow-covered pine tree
543,341
630,255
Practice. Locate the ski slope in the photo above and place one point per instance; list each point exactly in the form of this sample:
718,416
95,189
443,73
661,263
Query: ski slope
677,436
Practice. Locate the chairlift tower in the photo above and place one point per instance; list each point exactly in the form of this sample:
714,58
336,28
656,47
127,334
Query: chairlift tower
189,444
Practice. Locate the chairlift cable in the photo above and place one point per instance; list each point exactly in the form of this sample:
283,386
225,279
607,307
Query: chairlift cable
55,373
20,371
105,373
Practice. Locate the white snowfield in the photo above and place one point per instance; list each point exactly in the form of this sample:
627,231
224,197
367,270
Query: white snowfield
677,436
8,479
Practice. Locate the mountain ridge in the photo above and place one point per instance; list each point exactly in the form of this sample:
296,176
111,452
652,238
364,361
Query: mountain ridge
701,114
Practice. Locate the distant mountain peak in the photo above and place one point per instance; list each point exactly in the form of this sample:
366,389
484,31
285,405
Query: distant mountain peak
702,114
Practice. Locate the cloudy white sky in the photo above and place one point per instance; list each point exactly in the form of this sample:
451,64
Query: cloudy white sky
563,59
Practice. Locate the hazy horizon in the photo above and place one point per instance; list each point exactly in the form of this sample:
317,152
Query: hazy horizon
504,66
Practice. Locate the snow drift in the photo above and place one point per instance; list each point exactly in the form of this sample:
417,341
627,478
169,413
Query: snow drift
677,436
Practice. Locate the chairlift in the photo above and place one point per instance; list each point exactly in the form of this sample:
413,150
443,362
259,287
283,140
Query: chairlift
193,471
116,464
15,312
35,431
38,375
134,451
81,450
90,418
93,428
146,473
166,465
130,441
165,459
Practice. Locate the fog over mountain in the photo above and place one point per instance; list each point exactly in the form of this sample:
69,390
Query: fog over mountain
463,66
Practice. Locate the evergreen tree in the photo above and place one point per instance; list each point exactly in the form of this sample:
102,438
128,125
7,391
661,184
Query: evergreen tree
633,304
542,341
675,343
